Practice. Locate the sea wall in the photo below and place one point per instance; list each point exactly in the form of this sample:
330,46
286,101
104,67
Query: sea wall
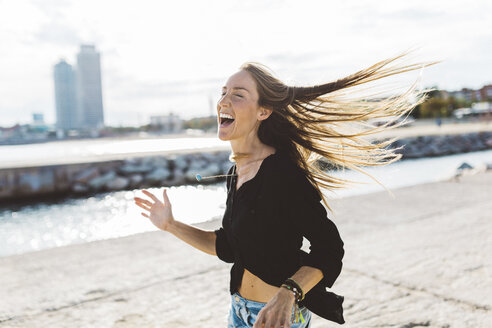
441,145
87,178
131,173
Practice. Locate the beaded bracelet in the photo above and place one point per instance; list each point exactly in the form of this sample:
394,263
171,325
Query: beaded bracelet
298,296
293,290
296,287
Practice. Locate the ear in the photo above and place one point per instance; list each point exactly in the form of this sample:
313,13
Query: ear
264,113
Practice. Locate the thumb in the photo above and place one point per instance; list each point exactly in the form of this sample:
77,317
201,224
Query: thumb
164,194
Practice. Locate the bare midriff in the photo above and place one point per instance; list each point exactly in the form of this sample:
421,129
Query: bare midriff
254,289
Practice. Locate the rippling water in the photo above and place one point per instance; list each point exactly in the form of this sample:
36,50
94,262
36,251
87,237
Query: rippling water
114,214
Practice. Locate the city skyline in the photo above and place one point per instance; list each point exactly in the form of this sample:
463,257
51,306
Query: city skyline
176,58
78,92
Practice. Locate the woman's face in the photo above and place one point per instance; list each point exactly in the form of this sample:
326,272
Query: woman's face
239,114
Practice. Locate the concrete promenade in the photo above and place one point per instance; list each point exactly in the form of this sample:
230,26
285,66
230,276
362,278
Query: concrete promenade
419,260
426,128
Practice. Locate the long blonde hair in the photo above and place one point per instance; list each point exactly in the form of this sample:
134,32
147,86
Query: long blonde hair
313,123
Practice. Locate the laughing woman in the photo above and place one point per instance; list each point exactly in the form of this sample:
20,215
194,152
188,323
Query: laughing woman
277,134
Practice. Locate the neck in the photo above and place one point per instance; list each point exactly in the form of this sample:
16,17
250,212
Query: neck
252,147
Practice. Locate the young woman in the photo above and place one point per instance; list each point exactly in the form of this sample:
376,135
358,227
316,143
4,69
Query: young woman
277,134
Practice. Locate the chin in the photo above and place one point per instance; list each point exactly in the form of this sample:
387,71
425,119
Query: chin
222,136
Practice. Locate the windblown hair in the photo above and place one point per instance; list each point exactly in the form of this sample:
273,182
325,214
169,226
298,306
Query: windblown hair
328,121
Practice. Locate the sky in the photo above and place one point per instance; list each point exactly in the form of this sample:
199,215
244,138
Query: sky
159,57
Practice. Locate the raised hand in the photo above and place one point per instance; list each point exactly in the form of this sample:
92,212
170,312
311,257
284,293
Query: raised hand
160,213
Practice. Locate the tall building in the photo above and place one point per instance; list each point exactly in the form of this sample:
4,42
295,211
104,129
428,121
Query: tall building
65,96
89,91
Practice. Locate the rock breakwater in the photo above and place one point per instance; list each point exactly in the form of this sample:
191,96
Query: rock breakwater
175,170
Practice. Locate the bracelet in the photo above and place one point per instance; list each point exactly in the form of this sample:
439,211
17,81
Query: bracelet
289,288
295,285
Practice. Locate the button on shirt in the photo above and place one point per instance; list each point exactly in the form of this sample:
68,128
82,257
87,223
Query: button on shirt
263,228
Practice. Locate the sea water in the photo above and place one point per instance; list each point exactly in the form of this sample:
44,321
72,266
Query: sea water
114,214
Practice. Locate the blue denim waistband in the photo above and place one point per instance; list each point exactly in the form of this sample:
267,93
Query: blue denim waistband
248,303
247,311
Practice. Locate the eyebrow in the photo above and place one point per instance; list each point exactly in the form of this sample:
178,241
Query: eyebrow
237,88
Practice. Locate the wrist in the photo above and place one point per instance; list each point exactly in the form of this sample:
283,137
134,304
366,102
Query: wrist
288,294
170,226
294,287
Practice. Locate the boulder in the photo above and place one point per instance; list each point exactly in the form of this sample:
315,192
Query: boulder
118,183
128,169
86,175
177,178
157,176
198,165
135,180
99,182
179,163
160,162
80,188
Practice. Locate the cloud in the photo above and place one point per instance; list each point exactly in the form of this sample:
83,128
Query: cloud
160,56
58,34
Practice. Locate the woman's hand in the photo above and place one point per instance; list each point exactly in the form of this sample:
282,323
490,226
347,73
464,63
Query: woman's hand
160,213
277,312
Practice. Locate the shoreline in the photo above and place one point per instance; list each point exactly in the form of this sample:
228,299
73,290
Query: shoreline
181,166
411,131
420,259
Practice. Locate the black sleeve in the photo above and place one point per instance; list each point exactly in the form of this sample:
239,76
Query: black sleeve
326,250
222,247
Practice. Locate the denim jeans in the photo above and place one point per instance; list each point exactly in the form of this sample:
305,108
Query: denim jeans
244,312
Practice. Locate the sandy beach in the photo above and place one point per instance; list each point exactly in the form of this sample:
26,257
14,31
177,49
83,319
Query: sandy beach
421,259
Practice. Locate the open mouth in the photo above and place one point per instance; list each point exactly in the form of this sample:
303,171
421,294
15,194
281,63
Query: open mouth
225,120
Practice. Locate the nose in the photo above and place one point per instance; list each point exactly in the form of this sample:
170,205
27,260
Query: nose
223,101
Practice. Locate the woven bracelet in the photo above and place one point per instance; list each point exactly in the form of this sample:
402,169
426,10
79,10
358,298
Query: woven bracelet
294,291
295,286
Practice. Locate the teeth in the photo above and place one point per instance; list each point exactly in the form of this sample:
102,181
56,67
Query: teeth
224,115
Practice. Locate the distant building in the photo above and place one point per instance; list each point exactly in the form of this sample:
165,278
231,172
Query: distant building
486,92
65,96
468,94
89,90
37,118
167,123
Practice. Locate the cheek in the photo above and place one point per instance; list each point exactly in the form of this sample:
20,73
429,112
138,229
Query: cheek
246,120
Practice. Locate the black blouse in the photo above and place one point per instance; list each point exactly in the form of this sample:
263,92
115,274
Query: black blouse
263,228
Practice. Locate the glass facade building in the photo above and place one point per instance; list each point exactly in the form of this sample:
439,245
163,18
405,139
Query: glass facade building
65,96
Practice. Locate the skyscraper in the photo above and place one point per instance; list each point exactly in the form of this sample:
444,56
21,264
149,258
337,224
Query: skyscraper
65,96
89,91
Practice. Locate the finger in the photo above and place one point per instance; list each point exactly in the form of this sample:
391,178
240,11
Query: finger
145,207
142,201
258,321
145,215
285,324
150,195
